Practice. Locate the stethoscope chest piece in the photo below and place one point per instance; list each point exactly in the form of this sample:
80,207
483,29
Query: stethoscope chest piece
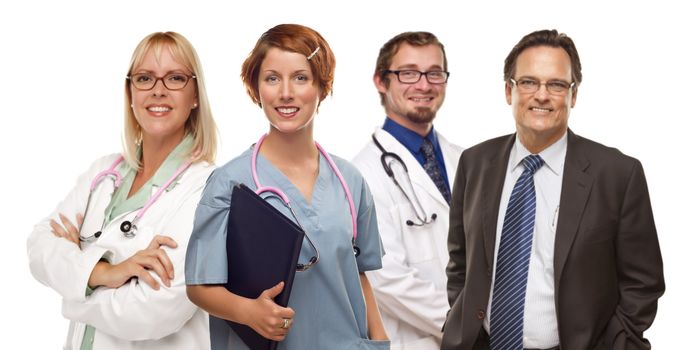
128,229
357,251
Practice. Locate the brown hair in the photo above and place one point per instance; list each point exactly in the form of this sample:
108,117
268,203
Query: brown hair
389,50
544,37
293,38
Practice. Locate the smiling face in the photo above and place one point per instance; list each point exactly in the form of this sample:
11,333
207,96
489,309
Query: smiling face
160,112
413,106
541,118
289,94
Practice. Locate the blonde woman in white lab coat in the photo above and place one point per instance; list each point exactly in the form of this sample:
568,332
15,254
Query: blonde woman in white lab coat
116,253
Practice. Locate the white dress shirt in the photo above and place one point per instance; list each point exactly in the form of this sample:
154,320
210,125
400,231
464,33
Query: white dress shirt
540,323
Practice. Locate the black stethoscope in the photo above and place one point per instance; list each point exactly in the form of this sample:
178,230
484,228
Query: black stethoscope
421,216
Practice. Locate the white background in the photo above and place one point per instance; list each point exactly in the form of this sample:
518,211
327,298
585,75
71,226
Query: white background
64,64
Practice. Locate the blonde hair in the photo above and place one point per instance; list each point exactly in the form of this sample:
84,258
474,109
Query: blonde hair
200,124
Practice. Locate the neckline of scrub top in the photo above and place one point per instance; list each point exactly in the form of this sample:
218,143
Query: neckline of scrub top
308,208
120,203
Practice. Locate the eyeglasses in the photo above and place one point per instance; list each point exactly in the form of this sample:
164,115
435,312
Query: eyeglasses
413,76
172,81
554,87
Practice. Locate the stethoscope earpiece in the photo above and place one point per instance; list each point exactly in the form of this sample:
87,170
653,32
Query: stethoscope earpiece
91,238
434,216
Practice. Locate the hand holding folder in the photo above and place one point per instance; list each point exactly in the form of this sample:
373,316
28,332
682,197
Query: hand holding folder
262,247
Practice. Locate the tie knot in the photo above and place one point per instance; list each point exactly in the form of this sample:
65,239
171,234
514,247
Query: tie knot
532,163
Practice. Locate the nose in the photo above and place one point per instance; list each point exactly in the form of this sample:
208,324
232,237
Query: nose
159,88
542,93
286,92
422,84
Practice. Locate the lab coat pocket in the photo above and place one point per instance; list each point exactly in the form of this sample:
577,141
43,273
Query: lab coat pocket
368,344
418,241
431,270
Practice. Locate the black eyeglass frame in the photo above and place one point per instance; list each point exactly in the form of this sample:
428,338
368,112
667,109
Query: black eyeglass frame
420,74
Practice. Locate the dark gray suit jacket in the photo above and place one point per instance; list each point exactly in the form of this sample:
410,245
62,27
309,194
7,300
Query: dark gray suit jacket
607,263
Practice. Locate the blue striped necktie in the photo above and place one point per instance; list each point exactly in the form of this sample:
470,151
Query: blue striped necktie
508,303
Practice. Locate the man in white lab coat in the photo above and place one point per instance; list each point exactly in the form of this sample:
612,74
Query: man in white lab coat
409,168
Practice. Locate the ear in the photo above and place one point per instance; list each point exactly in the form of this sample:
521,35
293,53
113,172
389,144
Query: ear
574,97
379,83
508,93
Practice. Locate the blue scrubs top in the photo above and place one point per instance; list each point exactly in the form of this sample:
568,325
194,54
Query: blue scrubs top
328,300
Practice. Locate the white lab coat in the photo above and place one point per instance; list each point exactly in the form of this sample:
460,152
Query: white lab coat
133,316
411,287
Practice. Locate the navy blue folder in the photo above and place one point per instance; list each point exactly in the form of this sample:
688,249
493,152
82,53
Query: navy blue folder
262,247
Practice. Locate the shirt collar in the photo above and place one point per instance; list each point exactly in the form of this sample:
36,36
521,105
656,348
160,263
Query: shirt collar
553,156
411,140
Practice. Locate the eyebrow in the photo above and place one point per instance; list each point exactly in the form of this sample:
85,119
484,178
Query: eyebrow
529,77
292,73
141,71
416,67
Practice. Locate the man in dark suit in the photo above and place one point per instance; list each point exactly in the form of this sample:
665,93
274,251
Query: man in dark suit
552,239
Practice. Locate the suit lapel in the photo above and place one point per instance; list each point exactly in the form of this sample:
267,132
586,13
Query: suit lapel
575,191
494,177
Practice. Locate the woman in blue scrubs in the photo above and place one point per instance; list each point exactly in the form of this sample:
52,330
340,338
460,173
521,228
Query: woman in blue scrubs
288,73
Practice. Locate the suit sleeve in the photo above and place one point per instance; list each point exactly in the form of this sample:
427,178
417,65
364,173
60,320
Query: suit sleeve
135,311
641,277
456,270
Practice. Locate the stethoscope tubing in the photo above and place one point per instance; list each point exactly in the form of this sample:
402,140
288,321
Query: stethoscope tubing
384,154
278,192
128,228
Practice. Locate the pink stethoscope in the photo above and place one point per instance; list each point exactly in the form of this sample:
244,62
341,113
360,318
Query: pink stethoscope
285,200
128,228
